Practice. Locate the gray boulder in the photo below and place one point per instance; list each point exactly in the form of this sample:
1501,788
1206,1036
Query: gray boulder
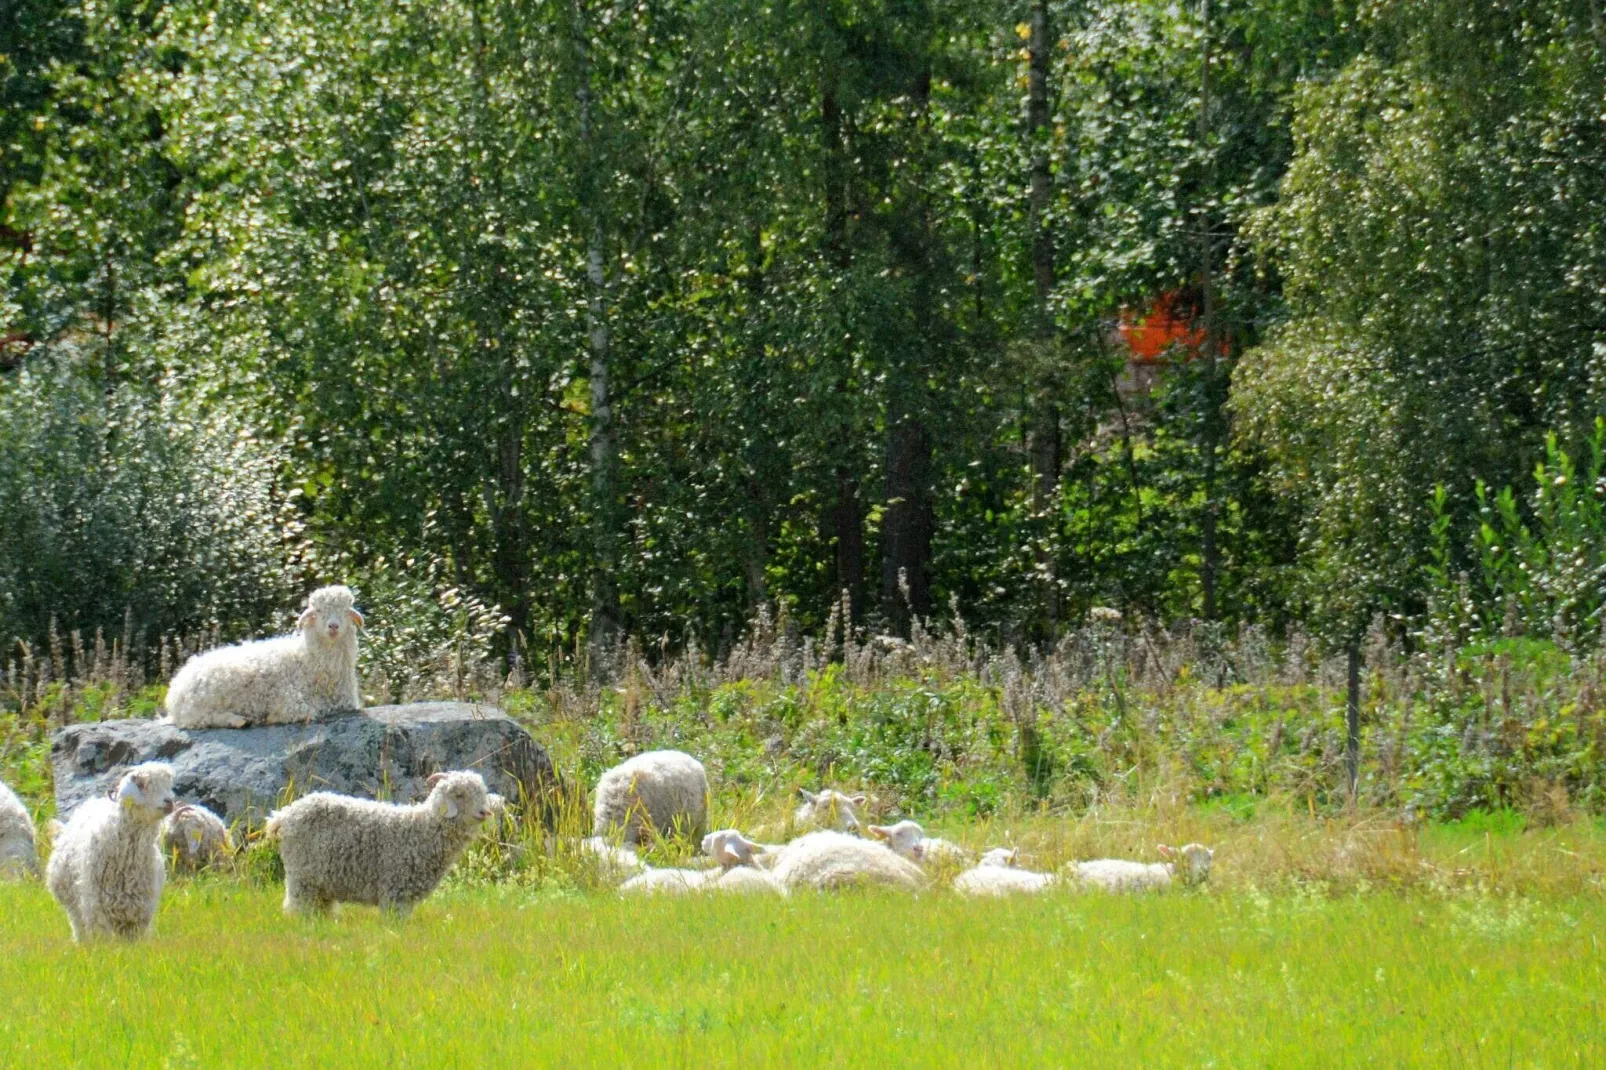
241,773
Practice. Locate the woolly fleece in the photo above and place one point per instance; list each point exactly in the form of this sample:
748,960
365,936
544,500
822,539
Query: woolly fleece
664,790
18,855
339,849
827,860
106,870
298,677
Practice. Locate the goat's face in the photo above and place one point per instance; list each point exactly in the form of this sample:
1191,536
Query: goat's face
829,809
147,790
460,797
331,615
904,837
1191,862
729,848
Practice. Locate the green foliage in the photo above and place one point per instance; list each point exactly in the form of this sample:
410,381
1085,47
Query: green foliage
1443,264
134,513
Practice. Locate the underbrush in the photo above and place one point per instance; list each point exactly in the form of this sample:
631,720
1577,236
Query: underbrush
1113,741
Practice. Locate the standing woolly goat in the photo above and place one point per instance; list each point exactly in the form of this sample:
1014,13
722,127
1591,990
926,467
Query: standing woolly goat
106,870
297,677
662,790
18,855
340,849
195,837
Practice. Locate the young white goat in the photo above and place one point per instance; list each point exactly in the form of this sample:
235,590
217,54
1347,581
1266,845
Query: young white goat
908,839
1189,865
106,870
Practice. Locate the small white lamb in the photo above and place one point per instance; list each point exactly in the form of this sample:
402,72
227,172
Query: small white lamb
745,880
106,870
18,853
339,849
296,677
613,862
1001,880
730,848
654,881
662,790
195,837
827,860
828,809
908,839
1189,864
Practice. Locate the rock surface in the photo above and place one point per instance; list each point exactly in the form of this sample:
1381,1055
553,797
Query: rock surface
241,773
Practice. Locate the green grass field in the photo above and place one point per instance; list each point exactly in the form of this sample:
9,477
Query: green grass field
501,976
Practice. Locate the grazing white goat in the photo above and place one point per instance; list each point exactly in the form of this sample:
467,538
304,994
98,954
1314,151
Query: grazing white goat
662,790
297,677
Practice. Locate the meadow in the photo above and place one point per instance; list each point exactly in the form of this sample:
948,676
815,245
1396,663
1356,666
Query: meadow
498,976
1451,914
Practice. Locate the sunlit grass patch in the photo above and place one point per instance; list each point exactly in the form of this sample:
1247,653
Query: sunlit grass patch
502,975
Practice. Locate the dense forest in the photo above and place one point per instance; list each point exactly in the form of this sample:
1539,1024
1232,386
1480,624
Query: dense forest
556,322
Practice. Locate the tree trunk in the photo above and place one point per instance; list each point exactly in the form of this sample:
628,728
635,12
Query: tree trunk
847,530
1209,553
907,525
1044,441
605,519
846,526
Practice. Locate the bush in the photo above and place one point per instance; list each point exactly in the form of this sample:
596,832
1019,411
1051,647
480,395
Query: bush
121,499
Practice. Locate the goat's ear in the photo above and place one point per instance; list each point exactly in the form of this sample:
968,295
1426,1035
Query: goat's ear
732,856
1167,853
433,779
880,832
451,808
858,800
306,617
806,795
356,618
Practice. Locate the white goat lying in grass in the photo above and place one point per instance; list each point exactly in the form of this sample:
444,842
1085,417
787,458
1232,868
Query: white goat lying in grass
195,837
908,839
1189,865
830,860
828,809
